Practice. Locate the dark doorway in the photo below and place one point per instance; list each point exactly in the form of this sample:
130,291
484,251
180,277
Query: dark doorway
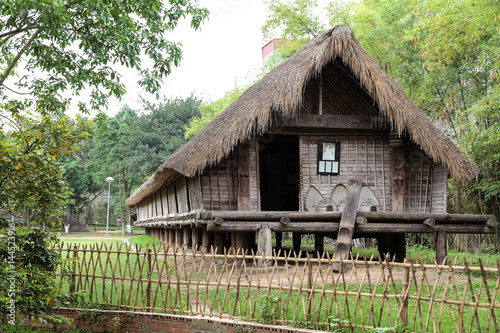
279,172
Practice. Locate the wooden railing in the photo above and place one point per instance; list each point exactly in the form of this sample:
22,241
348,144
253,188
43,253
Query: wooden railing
294,290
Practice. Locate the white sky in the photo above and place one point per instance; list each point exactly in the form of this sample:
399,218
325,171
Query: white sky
226,49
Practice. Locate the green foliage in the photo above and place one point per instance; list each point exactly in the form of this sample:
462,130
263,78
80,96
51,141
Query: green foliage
446,56
292,19
130,146
337,324
270,308
483,135
30,150
211,110
84,189
28,272
163,126
71,46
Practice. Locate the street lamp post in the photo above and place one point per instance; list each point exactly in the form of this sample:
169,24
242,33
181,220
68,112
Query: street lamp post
109,180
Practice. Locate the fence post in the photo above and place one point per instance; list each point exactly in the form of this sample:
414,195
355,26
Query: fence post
309,286
73,270
148,287
406,279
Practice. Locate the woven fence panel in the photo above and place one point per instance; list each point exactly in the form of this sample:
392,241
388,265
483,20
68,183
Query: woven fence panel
294,290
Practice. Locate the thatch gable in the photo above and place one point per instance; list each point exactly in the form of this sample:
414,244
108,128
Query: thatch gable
280,94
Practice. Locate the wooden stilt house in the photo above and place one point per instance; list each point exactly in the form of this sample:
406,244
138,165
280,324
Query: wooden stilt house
325,144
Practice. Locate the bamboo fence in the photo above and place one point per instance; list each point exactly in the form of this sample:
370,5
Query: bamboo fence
292,290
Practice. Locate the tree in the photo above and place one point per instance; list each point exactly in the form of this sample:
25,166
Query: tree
50,52
30,175
292,19
28,275
209,111
82,186
30,178
130,146
114,150
164,126
50,47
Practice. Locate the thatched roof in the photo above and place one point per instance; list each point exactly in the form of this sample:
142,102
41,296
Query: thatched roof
280,94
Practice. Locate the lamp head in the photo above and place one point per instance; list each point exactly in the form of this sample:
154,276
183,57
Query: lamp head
109,180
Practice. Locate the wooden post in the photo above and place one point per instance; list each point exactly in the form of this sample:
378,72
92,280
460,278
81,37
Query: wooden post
187,237
441,247
397,172
279,239
171,236
179,237
297,238
406,281
318,245
73,270
347,221
393,243
264,246
195,238
205,239
244,240
309,285
148,286
219,241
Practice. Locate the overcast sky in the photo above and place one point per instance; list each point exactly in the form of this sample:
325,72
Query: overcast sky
226,49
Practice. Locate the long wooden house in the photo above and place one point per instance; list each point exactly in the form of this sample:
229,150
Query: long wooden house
324,142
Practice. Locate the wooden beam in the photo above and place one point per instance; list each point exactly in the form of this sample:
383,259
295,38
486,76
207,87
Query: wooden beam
492,223
332,121
346,225
361,220
369,228
430,222
381,217
285,220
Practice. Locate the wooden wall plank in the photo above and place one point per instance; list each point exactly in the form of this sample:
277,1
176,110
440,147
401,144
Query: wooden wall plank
439,189
194,188
172,200
181,191
164,200
219,185
254,174
244,176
